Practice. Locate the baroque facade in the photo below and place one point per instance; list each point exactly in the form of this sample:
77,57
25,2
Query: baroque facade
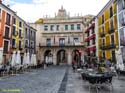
60,39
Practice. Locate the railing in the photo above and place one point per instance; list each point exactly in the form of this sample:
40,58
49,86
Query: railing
102,47
111,30
102,34
110,46
6,37
14,46
57,44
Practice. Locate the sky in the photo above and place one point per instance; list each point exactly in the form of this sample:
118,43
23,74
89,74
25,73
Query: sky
31,10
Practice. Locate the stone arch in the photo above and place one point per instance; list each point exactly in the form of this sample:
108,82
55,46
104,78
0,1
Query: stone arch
76,57
48,56
61,56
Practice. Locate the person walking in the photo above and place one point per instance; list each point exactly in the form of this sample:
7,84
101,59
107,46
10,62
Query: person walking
73,65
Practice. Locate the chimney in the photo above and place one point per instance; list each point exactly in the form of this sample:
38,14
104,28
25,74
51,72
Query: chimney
0,1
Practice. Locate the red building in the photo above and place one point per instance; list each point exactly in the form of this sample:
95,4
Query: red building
90,38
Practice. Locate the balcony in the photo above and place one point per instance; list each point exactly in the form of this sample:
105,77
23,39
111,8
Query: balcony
103,47
62,45
111,30
15,33
26,46
102,34
14,46
6,37
110,46
20,48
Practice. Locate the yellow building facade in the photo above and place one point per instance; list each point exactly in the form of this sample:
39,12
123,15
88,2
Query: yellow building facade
108,31
18,34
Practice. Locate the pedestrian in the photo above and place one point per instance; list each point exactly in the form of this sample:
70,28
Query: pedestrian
73,65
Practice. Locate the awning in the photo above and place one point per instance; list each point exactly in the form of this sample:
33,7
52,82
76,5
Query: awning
87,30
87,39
92,48
92,36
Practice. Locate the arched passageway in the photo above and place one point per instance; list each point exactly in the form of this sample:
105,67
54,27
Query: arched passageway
48,57
76,57
61,57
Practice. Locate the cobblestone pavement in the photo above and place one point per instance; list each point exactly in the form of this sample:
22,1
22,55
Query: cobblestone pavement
54,79
75,84
36,81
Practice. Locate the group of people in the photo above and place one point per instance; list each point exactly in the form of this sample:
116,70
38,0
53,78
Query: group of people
94,63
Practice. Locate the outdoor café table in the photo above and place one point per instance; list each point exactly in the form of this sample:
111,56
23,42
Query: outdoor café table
98,79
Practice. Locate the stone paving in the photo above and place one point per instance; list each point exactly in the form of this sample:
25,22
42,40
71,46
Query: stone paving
37,81
75,84
53,80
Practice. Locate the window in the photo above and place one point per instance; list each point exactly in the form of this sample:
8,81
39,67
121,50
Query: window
20,24
88,43
6,45
26,44
14,20
113,56
31,44
72,26
52,27
123,4
20,45
0,14
103,42
45,28
61,41
93,41
48,42
103,54
66,27
57,27
111,12
87,33
7,32
13,43
122,37
14,30
76,40
93,30
78,27
31,33
20,33
111,24
68,39
94,52
112,39
102,19
8,19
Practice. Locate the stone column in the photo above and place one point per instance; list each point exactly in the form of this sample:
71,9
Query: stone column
82,56
54,59
69,58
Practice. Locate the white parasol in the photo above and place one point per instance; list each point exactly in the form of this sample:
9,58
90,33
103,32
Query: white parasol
35,62
32,60
18,58
28,59
13,63
24,59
